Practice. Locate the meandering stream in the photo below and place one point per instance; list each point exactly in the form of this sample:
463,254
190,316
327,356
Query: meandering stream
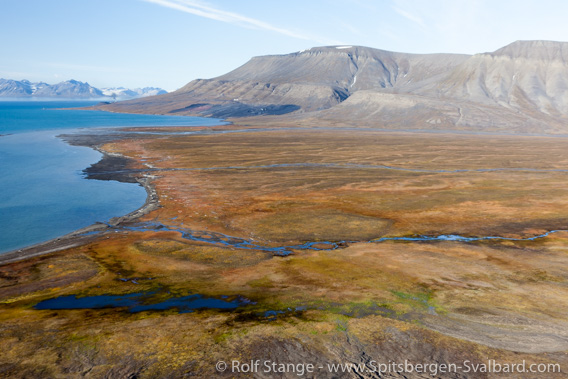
219,239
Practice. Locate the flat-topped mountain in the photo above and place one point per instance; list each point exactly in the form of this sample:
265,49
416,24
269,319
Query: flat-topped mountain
70,89
537,50
522,87
348,68
524,76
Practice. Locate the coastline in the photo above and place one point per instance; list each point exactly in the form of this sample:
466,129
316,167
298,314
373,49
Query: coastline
109,167
97,230
112,166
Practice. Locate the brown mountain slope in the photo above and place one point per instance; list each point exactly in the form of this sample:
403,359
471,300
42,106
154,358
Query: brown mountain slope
522,88
526,76
307,81
349,68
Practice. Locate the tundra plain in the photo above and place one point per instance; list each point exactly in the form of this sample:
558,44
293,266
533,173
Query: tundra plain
237,206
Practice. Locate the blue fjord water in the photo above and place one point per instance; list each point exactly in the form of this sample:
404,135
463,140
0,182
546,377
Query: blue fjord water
43,192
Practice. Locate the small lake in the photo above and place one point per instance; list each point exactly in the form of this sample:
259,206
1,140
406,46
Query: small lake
44,193
142,301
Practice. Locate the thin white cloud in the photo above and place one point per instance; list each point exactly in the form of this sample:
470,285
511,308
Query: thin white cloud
409,16
200,9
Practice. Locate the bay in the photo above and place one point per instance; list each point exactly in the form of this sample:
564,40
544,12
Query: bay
43,193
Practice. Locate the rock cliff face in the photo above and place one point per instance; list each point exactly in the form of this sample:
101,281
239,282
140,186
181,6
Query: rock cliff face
522,87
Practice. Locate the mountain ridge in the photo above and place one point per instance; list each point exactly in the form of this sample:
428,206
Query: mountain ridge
521,87
70,89
535,49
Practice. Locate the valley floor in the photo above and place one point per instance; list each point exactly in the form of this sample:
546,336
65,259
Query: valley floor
238,206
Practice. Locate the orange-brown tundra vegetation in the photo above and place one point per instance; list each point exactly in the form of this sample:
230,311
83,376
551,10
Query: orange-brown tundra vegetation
426,301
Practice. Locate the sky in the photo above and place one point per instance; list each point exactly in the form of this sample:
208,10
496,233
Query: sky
167,43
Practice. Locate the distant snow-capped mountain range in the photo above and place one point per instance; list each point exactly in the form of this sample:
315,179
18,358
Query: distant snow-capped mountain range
121,92
70,89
